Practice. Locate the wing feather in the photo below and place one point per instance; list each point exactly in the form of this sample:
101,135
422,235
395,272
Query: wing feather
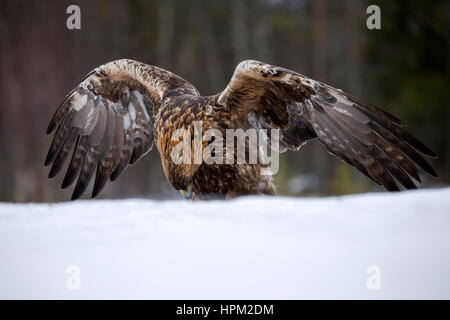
76,163
63,153
59,138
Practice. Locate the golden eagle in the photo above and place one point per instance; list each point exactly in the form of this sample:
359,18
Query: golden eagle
123,107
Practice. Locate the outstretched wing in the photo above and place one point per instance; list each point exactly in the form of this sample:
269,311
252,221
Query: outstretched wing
107,121
359,133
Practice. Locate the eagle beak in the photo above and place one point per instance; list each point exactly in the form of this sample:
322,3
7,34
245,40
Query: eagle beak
187,193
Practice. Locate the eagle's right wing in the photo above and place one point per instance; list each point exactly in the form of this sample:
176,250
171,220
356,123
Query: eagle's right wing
107,121
264,96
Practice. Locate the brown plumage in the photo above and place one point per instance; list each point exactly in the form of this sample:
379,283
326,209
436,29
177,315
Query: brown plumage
121,108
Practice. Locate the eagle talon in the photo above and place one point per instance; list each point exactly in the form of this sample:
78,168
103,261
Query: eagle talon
187,193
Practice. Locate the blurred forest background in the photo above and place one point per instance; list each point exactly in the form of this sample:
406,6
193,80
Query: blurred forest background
403,68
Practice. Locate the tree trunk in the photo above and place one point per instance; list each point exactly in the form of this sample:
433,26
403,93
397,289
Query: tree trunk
320,71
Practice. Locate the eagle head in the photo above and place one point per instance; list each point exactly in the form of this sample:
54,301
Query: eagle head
180,176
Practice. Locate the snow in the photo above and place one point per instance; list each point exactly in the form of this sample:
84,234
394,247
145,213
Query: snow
249,248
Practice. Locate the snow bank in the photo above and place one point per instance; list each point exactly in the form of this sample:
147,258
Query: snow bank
250,248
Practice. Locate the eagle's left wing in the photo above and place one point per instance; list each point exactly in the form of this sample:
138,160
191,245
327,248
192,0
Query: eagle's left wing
263,96
106,122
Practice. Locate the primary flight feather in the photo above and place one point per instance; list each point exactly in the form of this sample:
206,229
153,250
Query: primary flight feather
122,108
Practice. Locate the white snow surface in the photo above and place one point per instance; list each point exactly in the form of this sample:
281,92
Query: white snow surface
249,248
